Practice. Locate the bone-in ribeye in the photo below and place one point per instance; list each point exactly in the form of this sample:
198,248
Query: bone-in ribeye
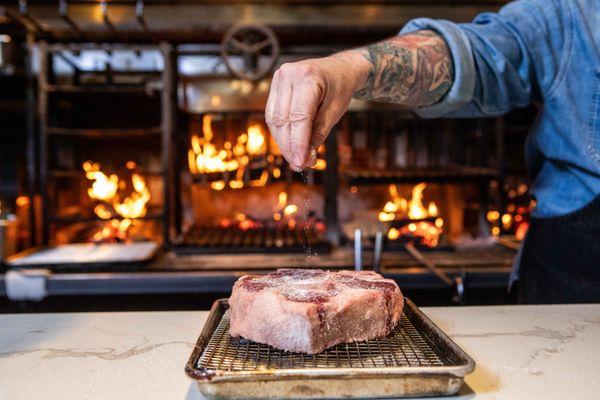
308,311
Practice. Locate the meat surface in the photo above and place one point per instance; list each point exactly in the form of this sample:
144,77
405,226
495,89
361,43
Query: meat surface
309,311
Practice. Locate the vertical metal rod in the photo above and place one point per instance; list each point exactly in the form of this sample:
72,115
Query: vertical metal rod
179,149
377,252
499,126
358,250
45,65
331,182
169,104
31,140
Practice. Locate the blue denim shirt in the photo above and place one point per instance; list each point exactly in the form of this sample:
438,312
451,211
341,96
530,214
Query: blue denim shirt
545,51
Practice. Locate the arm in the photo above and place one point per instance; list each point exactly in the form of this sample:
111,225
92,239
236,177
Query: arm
413,70
503,60
308,97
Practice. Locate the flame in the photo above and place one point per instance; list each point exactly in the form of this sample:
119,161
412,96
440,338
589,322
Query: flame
104,187
282,199
203,156
429,233
492,216
102,212
290,209
386,217
22,201
192,162
134,205
400,208
416,210
521,231
256,140
236,184
320,164
262,181
207,128
218,185
283,210
390,207
393,234
432,209
506,221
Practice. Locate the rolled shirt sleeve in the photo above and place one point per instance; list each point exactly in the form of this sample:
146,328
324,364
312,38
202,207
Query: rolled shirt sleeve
501,60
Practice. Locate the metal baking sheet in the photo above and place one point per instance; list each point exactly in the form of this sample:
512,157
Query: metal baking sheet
416,359
85,255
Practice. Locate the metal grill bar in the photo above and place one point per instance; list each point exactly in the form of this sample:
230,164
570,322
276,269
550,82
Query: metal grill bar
214,239
404,347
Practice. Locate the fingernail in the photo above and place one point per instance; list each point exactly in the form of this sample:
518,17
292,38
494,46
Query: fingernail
298,160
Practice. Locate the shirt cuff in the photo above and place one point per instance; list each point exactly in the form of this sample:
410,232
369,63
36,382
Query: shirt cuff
463,87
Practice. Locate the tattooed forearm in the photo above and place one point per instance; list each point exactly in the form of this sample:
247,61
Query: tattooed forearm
414,70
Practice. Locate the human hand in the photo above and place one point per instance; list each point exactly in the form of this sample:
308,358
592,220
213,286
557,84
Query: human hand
307,98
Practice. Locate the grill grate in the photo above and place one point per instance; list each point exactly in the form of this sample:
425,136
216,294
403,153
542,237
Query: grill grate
215,239
404,347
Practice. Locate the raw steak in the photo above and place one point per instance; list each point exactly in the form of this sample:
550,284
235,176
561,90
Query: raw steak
310,310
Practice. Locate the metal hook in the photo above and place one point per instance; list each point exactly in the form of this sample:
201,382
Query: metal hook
24,18
63,11
139,15
105,17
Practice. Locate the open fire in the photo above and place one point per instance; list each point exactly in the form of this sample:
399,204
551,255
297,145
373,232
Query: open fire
233,160
285,215
119,203
409,219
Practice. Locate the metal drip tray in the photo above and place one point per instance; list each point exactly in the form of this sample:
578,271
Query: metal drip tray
416,359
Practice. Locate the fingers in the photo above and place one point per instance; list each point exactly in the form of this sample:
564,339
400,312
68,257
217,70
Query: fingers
312,157
303,108
281,117
275,118
272,100
328,114
293,103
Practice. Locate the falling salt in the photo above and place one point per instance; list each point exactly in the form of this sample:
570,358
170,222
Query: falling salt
307,246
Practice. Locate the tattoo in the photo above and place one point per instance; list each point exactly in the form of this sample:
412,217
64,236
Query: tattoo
414,70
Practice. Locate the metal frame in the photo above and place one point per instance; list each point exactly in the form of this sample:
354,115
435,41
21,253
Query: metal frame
168,87
329,179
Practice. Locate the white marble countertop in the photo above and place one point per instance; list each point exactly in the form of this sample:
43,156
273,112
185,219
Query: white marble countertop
522,352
